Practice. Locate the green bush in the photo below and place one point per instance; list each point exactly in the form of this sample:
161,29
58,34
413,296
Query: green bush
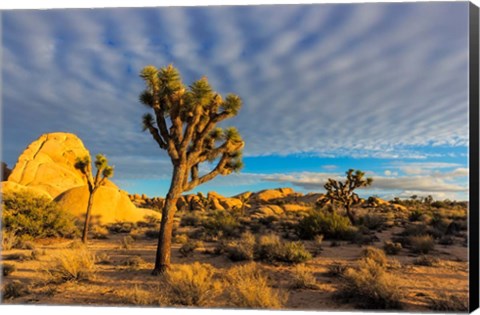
330,225
373,221
36,216
415,215
271,248
222,223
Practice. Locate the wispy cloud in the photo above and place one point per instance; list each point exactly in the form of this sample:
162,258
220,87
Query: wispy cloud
355,80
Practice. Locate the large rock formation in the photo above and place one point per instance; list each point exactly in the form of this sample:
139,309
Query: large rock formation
110,204
47,168
48,164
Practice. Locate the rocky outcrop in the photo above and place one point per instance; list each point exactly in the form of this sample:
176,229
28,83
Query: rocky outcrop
48,163
110,205
272,194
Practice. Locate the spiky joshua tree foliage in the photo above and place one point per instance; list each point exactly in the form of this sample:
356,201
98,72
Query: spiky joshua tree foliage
343,192
183,122
104,171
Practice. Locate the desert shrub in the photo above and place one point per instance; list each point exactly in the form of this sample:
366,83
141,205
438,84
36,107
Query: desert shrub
428,261
222,223
302,278
121,227
375,254
189,247
191,285
144,296
331,225
373,221
103,259
72,265
8,240
336,269
153,233
8,269
446,240
127,242
370,286
14,290
415,215
191,219
414,230
392,248
449,303
271,248
133,261
99,232
422,244
36,216
242,249
247,287
180,238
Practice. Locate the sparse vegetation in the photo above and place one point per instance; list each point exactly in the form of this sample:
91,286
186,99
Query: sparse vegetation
376,255
72,265
449,303
422,244
25,214
14,290
370,286
8,269
189,247
425,260
247,287
243,249
302,278
392,248
191,285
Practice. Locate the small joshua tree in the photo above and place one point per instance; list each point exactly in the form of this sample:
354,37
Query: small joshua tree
344,192
183,121
104,171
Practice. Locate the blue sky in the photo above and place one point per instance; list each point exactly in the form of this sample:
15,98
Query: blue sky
327,87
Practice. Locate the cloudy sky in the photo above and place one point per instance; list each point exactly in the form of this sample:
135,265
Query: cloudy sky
380,87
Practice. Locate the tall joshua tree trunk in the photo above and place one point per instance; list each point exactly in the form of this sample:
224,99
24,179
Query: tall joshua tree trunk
162,258
87,216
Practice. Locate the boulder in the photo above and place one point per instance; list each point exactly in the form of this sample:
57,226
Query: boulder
269,210
271,194
48,164
11,187
292,207
110,205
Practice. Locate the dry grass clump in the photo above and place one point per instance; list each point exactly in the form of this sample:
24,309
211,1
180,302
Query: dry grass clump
302,278
392,248
369,286
8,240
422,244
14,290
141,296
189,247
449,303
428,261
191,285
375,254
247,287
336,269
8,269
134,261
242,249
127,242
72,265
99,232
180,239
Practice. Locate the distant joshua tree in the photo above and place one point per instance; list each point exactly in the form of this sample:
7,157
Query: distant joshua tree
104,171
190,138
344,192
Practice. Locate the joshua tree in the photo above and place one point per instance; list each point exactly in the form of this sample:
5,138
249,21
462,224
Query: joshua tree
104,171
344,192
184,124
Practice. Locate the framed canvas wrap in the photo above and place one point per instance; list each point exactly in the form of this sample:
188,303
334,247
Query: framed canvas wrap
320,157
